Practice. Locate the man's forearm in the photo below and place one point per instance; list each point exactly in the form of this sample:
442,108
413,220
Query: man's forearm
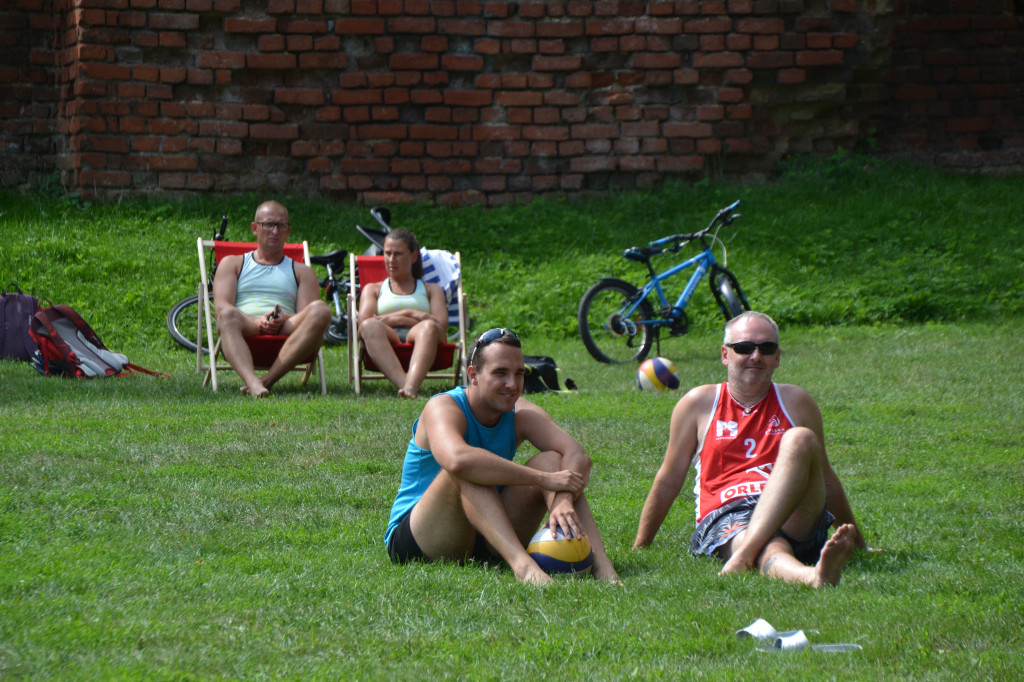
653,515
646,530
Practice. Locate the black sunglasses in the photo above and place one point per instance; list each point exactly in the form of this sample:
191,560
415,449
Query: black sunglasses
490,336
747,347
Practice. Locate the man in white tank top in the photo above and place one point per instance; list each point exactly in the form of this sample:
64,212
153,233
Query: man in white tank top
265,292
766,493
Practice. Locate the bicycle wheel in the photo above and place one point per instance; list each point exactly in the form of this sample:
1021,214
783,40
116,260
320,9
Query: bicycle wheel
337,331
727,293
181,322
609,337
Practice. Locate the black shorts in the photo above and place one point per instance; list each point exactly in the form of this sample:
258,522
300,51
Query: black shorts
403,548
721,525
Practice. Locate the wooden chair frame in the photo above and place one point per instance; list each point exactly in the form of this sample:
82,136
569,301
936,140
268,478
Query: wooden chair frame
261,346
451,357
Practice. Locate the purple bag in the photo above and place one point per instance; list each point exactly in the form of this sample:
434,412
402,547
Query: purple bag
16,312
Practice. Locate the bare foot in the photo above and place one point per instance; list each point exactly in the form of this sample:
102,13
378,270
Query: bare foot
834,555
534,576
736,564
606,575
406,392
260,392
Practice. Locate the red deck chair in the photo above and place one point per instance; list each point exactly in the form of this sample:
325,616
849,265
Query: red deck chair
448,364
264,348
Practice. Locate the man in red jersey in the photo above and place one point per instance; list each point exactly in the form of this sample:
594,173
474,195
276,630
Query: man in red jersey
766,493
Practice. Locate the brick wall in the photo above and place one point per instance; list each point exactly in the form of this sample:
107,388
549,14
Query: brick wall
28,93
462,101
955,84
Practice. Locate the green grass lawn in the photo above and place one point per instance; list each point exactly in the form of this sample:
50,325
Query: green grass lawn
150,528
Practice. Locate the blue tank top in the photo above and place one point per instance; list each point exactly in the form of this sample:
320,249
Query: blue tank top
261,287
420,468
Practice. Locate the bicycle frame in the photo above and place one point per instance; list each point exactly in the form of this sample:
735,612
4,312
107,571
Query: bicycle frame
334,263
703,261
617,320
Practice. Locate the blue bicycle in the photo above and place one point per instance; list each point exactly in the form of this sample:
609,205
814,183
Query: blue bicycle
617,321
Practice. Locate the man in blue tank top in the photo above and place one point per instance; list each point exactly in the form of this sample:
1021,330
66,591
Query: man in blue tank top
461,494
265,292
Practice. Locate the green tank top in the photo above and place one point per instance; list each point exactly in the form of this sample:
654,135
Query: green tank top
389,302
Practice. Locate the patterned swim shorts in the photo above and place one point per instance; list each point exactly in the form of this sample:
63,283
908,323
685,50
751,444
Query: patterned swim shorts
721,525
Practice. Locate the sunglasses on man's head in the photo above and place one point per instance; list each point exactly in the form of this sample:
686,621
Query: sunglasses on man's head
490,336
747,347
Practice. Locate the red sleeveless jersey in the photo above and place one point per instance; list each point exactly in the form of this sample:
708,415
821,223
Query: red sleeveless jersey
738,449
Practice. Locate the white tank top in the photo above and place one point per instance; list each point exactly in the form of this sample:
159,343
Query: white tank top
261,287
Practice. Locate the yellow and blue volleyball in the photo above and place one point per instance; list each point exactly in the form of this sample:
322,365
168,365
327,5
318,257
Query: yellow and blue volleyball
560,554
657,374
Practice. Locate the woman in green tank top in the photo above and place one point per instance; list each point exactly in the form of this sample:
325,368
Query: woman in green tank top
402,309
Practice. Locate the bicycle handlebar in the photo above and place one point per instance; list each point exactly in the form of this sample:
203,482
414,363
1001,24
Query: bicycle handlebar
219,235
676,239
730,208
724,216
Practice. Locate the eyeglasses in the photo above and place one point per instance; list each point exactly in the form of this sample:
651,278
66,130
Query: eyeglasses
275,227
490,336
747,347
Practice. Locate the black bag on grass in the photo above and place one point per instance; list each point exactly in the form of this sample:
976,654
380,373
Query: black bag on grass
542,374
16,312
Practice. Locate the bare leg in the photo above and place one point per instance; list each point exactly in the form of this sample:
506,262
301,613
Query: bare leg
425,337
233,326
439,523
777,560
378,339
305,332
551,461
447,518
485,510
603,569
793,499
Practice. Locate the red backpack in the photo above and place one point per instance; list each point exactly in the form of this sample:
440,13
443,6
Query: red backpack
69,347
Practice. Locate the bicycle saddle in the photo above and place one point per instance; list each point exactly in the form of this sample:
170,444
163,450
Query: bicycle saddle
335,258
641,253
